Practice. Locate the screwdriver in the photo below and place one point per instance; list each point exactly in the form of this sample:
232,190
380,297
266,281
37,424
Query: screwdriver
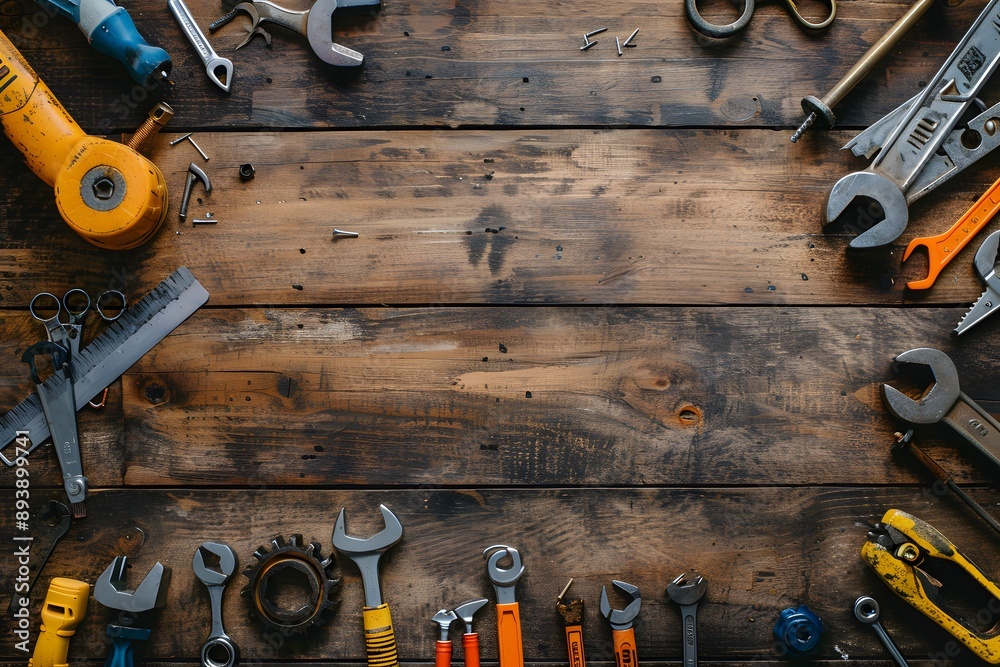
904,441
823,108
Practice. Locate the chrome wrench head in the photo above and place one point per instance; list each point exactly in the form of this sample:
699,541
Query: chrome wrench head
366,552
208,575
937,400
882,190
467,610
684,590
986,259
866,609
621,619
444,619
111,589
504,579
320,36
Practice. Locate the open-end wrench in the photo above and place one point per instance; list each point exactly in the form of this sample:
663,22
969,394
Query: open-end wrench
442,647
942,248
924,149
218,650
510,646
621,620
985,263
866,610
314,24
470,640
687,592
380,637
944,402
218,69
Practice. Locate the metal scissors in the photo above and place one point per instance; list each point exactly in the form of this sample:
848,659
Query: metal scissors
748,6
48,309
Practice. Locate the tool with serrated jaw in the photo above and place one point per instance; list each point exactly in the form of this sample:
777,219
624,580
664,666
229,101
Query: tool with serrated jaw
986,266
112,353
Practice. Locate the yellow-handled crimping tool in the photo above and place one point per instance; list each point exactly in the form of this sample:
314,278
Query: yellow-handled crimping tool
64,609
924,568
106,191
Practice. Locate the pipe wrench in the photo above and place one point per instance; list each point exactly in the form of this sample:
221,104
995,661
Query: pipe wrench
923,567
511,648
920,145
105,191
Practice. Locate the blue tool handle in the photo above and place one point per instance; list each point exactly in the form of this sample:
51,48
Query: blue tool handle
121,647
110,30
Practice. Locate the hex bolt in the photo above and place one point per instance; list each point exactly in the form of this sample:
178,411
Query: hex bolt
246,172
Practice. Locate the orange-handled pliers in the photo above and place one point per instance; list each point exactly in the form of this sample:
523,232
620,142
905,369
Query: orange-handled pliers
942,248
470,640
621,623
504,581
442,648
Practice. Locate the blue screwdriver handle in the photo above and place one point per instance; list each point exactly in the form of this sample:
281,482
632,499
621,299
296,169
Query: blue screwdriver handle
110,30
121,647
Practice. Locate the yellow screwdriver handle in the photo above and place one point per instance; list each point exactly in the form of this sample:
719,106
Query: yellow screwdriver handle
105,191
64,609
380,638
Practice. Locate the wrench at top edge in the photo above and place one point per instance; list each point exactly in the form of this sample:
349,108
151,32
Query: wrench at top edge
942,248
944,402
213,61
688,593
913,143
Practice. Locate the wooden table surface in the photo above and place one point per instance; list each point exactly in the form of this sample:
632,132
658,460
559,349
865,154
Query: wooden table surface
592,313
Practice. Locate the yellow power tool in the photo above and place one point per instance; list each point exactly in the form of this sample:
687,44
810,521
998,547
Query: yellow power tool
924,568
64,609
107,192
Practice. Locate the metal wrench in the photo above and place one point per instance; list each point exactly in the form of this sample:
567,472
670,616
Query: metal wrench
214,63
866,610
985,263
218,650
621,620
687,592
510,645
380,636
909,165
470,640
944,401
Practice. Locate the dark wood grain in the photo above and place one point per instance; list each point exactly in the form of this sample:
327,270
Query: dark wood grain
643,536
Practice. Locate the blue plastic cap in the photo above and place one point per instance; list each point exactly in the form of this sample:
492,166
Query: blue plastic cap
798,630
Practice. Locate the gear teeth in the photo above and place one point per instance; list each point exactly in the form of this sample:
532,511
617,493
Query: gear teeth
291,550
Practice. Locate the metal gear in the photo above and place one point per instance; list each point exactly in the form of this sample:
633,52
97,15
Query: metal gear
276,569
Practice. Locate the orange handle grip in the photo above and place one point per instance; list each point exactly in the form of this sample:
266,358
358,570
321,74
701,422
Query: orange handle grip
574,645
942,248
442,654
470,643
509,633
380,637
625,654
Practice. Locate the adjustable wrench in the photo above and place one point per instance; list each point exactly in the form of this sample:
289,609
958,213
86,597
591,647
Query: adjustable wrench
380,637
687,592
470,640
909,165
621,623
110,590
218,650
214,63
985,263
511,648
944,401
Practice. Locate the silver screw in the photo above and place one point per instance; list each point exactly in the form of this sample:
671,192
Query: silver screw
618,45
341,234
628,40
180,139
196,146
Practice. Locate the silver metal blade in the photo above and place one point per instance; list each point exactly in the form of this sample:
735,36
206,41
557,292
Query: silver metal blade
58,404
984,306
112,353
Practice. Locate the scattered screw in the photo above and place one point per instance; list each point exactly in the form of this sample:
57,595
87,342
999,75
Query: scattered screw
628,40
618,45
586,38
180,139
209,221
196,146
341,234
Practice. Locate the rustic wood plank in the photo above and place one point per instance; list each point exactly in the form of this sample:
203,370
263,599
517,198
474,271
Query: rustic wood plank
523,397
760,549
487,63
600,217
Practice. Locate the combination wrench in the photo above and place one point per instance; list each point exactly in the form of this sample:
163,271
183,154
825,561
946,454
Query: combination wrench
214,63
867,611
218,650
687,592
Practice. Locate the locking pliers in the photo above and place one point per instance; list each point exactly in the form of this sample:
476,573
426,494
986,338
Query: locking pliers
924,568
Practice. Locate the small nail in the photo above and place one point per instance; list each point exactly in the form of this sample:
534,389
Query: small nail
180,139
341,234
203,221
628,40
595,32
587,45
197,148
618,45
